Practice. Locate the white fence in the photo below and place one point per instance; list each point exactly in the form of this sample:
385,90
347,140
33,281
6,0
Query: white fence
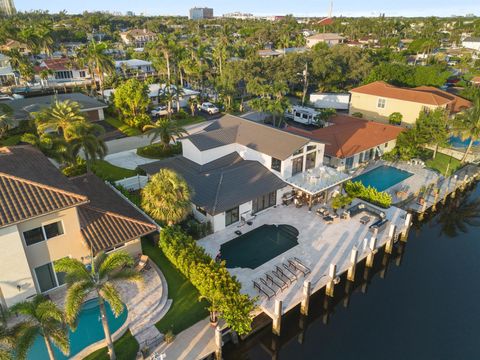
133,183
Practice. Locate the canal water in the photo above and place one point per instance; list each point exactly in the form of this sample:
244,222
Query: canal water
422,302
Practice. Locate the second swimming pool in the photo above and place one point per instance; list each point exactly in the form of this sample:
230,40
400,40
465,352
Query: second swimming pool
383,177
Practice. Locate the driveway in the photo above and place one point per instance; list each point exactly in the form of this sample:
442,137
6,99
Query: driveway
127,159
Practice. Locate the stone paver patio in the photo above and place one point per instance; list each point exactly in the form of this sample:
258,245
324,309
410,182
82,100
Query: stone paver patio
320,244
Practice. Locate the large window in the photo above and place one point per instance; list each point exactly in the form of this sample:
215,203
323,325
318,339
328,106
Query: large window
297,165
381,103
232,216
310,160
264,202
43,233
276,164
47,278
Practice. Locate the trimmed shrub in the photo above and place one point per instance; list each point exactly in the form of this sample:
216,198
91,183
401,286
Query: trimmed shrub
370,194
157,151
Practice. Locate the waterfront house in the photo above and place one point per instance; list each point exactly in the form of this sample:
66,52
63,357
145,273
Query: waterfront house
45,216
238,168
137,37
133,67
60,71
472,43
378,100
7,75
350,141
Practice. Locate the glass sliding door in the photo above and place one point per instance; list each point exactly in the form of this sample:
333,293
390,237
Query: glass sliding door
45,277
232,216
297,165
264,202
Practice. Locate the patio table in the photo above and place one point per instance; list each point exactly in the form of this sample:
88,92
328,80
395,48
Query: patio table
365,219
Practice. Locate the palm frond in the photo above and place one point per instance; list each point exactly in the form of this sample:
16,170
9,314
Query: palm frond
26,339
76,295
114,262
61,340
74,269
111,295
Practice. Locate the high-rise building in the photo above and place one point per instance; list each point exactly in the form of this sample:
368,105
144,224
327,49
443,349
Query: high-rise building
7,7
201,13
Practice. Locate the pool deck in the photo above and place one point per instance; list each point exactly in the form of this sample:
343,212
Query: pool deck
320,244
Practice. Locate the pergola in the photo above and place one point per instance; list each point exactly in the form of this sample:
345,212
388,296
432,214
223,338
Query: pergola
317,181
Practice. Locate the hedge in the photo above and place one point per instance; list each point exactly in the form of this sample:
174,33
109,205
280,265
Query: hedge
370,194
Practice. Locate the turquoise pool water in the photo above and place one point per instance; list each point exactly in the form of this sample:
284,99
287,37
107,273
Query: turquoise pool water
89,331
383,177
258,246
457,142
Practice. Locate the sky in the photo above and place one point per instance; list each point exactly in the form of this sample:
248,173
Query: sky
265,7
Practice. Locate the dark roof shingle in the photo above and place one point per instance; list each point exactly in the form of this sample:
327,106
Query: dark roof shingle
223,183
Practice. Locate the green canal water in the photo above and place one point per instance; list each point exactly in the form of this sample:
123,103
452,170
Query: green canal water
422,302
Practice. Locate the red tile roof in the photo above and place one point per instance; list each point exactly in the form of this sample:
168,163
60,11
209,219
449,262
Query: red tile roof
423,94
350,135
61,64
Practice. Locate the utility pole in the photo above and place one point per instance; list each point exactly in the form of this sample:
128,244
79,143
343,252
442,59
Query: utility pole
305,83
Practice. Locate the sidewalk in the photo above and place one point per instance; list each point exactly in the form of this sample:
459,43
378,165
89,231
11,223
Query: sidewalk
194,343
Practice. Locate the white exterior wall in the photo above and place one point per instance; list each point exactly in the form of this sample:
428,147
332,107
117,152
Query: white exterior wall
474,45
14,268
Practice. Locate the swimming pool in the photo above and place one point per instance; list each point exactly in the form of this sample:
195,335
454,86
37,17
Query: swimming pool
383,177
89,331
258,246
457,142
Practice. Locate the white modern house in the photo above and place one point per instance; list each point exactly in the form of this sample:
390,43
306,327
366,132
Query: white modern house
238,168
60,71
7,75
472,43
133,67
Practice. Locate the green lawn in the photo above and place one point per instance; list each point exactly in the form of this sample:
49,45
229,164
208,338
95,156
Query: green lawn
11,140
440,163
109,172
189,120
186,310
120,125
126,348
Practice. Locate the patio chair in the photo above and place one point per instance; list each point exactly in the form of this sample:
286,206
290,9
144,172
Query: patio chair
291,270
299,263
269,293
142,264
275,280
285,274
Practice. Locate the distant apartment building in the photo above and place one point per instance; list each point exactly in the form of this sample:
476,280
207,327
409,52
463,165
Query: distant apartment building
330,39
200,13
378,100
137,37
7,7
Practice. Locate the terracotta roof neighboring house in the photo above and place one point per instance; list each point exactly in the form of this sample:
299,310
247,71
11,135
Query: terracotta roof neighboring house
14,44
326,37
423,95
350,135
30,186
105,229
62,64
231,129
475,80
223,183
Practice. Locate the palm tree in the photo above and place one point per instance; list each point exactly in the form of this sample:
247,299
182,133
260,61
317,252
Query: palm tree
44,74
43,318
460,215
467,126
86,137
59,117
8,337
6,121
165,130
192,103
166,197
101,279
98,62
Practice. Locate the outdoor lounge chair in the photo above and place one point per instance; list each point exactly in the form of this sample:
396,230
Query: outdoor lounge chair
142,264
285,274
269,293
298,263
291,270
274,279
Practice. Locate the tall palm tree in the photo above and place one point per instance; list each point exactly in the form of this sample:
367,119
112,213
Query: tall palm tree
6,121
100,278
8,337
467,126
165,130
459,216
59,117
43,318
98,61
86,138
166,197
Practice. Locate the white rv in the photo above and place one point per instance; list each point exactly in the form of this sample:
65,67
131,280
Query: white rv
303,115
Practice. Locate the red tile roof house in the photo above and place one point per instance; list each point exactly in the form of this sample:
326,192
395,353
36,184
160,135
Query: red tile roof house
62,70
350,141
475,81
378,100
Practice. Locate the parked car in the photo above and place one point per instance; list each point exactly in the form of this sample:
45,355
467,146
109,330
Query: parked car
159,111
209,108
